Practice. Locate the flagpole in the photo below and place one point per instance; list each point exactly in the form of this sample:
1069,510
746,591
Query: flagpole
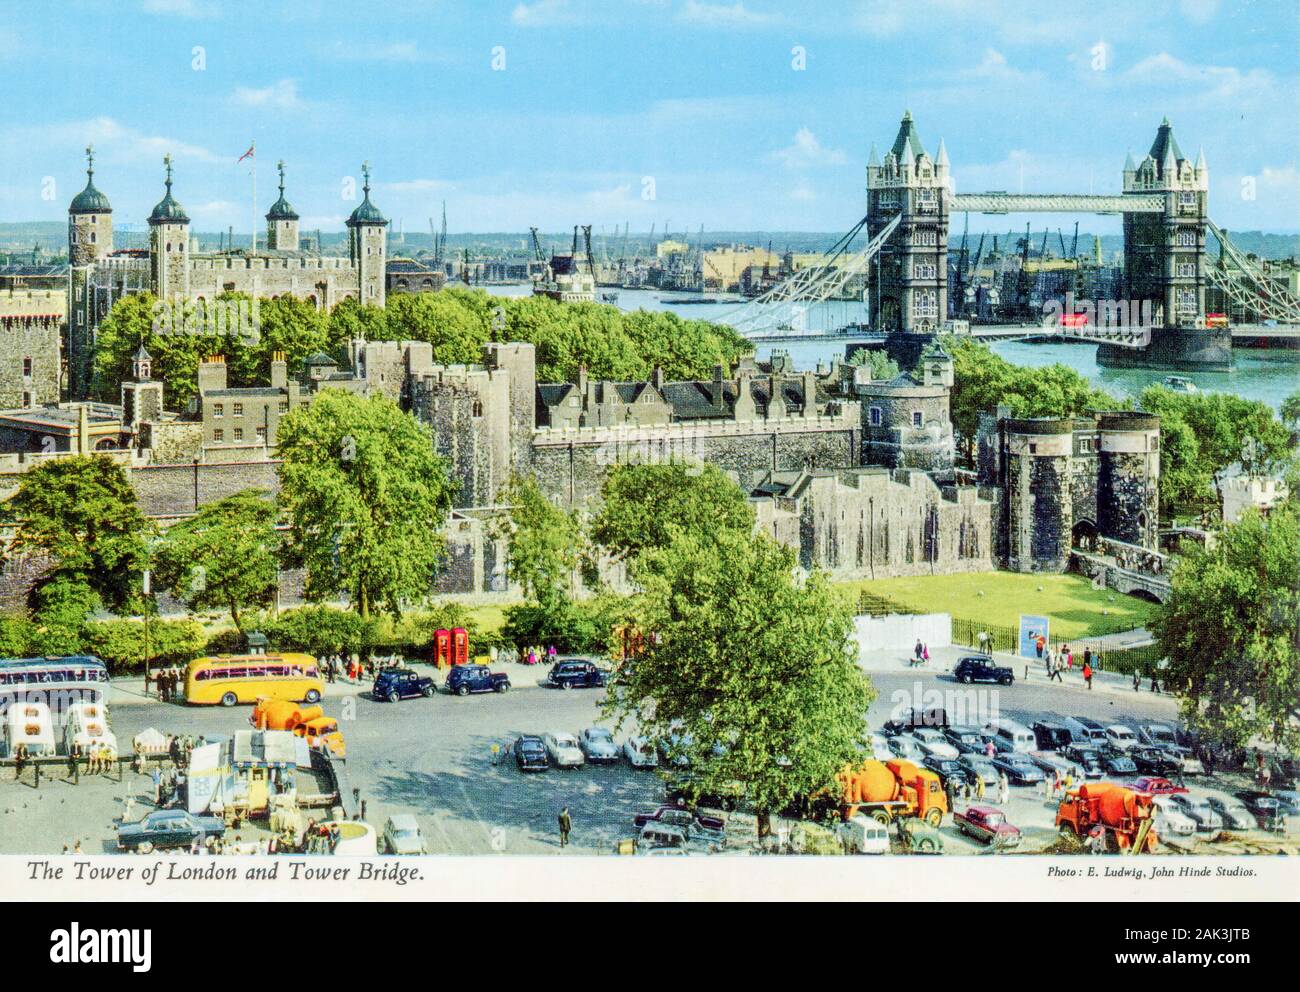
253,149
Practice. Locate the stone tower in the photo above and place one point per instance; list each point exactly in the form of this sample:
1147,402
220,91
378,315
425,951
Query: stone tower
90,221
282,221
908,284
142,397
90,239
1164,254
169,243
1037,504
1128,477
367,239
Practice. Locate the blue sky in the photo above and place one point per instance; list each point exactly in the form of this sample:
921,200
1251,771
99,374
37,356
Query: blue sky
597,96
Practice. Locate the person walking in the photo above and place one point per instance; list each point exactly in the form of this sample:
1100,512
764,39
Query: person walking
1137,680
984,643
1004,789
979,786
989,749
1087,657
74,763
950,791
1057,667
20,761
918,651
566,826
1087,675
925,653
1069,657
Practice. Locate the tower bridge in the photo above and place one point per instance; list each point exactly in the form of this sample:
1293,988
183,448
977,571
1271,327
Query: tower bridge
1164,206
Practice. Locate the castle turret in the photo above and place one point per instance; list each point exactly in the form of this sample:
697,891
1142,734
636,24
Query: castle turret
90,220
1128,477
169,244
367,238
142,397
1037,509
282,221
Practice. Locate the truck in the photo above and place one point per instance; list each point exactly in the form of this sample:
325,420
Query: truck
1125,819
308,722
887,790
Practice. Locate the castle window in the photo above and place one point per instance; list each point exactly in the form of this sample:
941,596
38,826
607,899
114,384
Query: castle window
27,368
284,406
875,416
916,418
239,409
92,237
1033,449
1187,239
218,409
1155,444
477,409
239,433
218,436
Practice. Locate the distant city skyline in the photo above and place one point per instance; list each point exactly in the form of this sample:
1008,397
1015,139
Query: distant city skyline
737,114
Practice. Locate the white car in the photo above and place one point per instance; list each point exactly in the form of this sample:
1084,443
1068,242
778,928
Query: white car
934,743
1170,821
863,835
640,753
599,746
564,750
880,747
402,835
1120,736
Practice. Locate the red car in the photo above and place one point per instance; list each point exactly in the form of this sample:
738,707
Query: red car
680,816
1155,785
987,824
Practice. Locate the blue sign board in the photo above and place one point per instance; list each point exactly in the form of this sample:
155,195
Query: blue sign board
1031,628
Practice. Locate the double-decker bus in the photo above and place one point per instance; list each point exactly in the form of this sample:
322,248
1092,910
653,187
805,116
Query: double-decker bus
226,680
57,682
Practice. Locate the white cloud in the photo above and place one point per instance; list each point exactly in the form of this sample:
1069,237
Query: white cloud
543,13
396,51
807,152
1215,80
802,194
282,95
1198,11
179,8
111,137
724,15
994,66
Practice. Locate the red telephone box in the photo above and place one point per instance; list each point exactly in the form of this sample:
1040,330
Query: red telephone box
442,648
460,646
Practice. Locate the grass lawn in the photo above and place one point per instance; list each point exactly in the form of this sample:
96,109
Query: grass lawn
1074,607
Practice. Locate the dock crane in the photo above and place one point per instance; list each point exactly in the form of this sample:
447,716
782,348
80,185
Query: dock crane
586,240
959,284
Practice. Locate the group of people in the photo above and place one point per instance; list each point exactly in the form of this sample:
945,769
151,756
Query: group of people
920,653
536,655
171,684
1140,561
1058,660
976,791
356,669
99,760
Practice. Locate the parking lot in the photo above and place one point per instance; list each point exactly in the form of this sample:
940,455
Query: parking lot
433,758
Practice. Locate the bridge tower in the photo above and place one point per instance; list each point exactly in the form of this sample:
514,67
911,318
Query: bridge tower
908,282
1164,254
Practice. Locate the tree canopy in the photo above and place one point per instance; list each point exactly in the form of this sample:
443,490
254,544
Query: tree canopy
223,557
544,543
1231,631
366,498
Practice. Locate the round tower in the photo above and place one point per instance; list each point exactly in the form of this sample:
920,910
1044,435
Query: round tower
282,221
90,221
1037,504
169,244
367,237
1128,477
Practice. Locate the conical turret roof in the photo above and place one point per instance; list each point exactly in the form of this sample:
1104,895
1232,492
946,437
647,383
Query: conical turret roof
90,200
907,139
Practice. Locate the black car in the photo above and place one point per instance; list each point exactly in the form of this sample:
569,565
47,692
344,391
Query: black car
1154,761
1020,768
1091,760
1118,763
967,740
1268,812
395,684
1051,736
937,718
946,768
977,668
530,755
573,673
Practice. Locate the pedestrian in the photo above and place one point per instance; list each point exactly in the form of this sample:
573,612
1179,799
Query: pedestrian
74,754
1155,685
1040,642
1069,657
1087,657
1087,675
20,761
566,826
989,749
76,848
950,791
979,786
157,786
918,651
1004,789
1057,667
1137,680
1207,759
983,639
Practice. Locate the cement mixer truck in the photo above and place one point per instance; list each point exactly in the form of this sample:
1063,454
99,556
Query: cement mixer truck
887,790
1122,817
309,722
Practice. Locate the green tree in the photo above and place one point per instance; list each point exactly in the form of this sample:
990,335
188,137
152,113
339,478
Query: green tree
1231,631
456,331
223,557
291,326
544,543
353,320
883,368
648,506
82,512
750,674
366,499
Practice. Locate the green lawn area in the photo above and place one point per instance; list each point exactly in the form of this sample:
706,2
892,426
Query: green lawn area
1074,607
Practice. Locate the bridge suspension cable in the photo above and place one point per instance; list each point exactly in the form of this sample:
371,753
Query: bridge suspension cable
1248,286
786,302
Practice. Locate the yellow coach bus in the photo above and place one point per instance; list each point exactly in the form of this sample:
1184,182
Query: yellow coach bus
229,679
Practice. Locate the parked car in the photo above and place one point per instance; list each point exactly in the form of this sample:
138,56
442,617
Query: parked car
1269,814
1232,812
662,837
934,743
946,768
1051,736
1154,761
598,745
640,753
697,825
402,835
987,824
1117,763
1020,770
1200,810
1008,735
1169,820
862,834
530,754
967,740
464,679
880,746
574,673
1121,737
977,668
1187,759
563,749
1156,734
1087,758
166,829
935,718
978,766
396,684
1156,786
1289,799
907,747
1053,762
1085,730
